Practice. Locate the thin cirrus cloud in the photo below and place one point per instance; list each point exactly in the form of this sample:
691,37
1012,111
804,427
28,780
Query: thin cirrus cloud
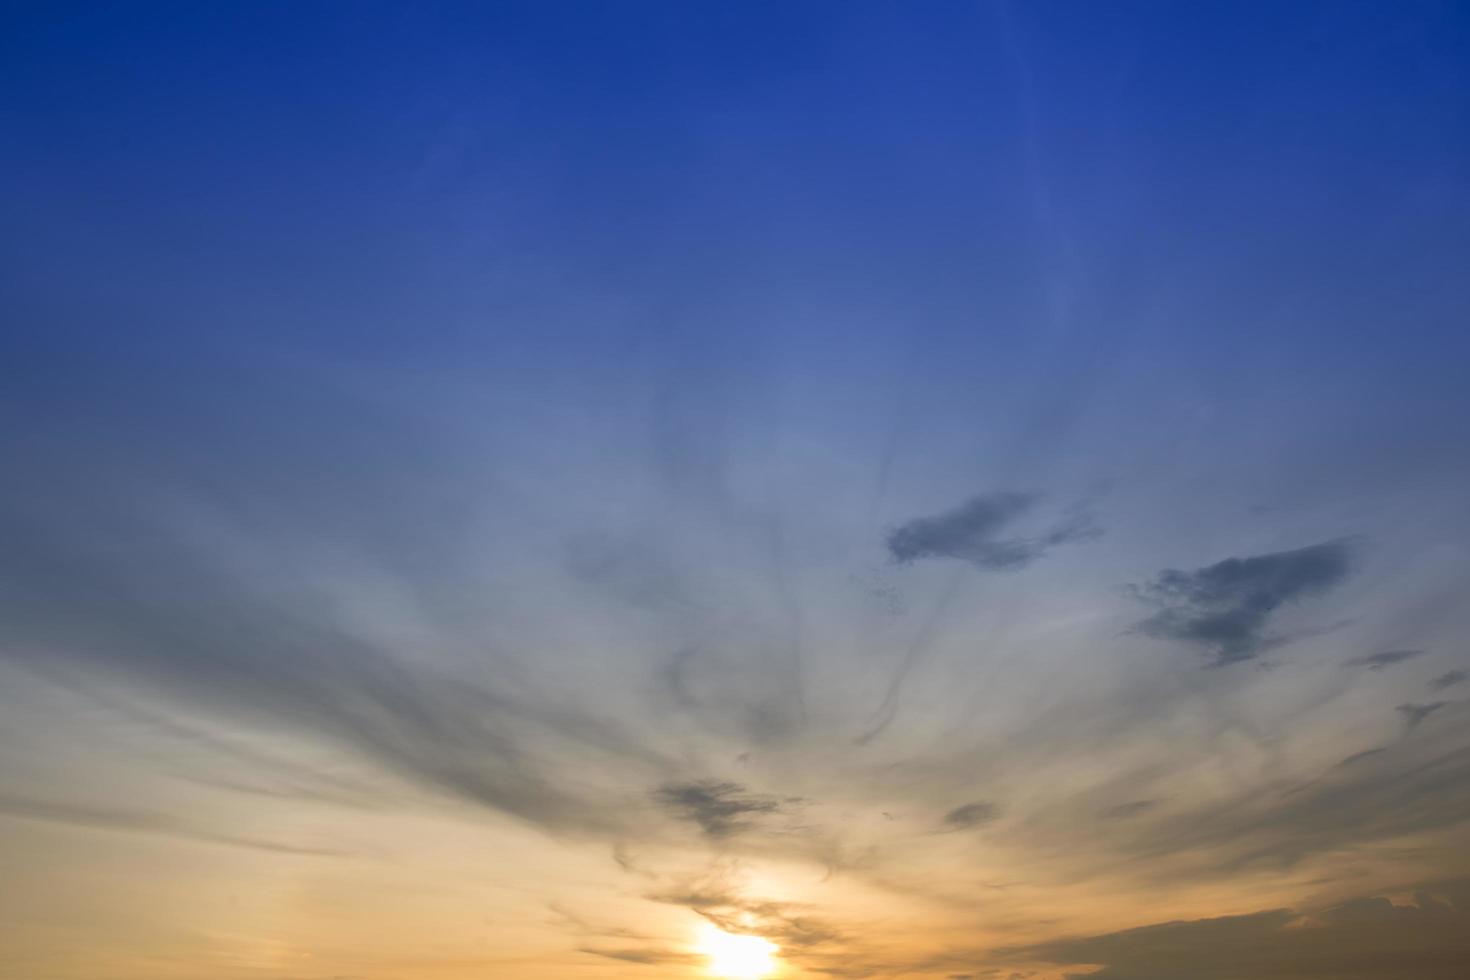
1415,715
1379,661
1225,608
134,821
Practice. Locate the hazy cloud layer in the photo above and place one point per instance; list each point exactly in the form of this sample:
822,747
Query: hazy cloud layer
144,610
127,820
1426,935
1410,786
1125,810
1226,607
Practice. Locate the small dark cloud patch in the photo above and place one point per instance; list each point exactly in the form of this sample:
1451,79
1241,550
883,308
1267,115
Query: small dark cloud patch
1226,607
1388,658
1128,810
971,815
972,532
1447,680
1415,714
720,809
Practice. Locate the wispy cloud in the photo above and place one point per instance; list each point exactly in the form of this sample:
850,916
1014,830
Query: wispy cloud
1414,715
1378,661
718,896
1447,680
1368,938
126,820
1127,810
196,631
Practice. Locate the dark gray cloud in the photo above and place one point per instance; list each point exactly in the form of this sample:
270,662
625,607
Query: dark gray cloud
971,815
1388,658
720,809
1368,938
146,822
1447,680
1226,607
971,532
1414,714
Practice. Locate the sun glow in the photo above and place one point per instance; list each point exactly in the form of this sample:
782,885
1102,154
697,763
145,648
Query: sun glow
737,957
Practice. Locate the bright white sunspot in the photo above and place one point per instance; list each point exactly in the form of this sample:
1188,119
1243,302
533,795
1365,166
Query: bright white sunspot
737,957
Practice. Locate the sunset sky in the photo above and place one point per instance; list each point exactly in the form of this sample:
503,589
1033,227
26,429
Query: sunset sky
666,490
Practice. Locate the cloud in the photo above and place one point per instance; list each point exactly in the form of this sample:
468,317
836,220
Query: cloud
1447,680
971,532
643,955
1369,938
145,822
716,896
1414,714
1225,607
1378,661
132,608
1410,786
1360,756
720,809
1128,810
971,815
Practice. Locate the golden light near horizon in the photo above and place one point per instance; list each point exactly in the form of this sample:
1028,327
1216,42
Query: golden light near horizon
737,957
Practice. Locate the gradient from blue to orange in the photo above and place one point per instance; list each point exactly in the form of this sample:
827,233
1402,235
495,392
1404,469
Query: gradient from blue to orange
493,489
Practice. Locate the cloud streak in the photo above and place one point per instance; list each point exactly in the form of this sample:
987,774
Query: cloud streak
119,819
1415,715
1388,658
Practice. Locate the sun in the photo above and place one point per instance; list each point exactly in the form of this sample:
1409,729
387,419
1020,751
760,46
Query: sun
735,956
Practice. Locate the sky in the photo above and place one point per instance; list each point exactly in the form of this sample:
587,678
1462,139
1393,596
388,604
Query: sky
605,491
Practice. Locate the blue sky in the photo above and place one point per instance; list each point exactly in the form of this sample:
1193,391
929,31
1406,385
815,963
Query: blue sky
912,482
